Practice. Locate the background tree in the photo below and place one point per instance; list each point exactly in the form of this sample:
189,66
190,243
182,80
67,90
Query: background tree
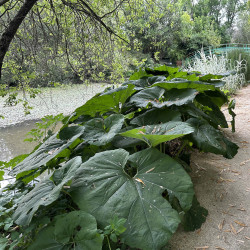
54,27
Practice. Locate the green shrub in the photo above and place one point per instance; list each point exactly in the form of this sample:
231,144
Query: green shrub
119,164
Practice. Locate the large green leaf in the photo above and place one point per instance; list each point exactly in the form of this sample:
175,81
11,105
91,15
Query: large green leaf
100,132
195,217
75,230
156,116
108,101
3,243
145,81
170,72
44,193
177,97
213,111
209,139
103,188
139,74
146,96
46,152
183,84
66,133
156,134
217,97
158,98
210,77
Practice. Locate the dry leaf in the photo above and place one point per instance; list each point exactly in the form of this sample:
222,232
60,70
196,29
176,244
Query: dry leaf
139,180
244,162
247,237
227,213
220,226
240,230
233,229
235,171
225,180
242,241
241,209
150,170
240,223
244,142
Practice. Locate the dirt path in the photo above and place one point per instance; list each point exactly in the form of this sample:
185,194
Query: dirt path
223,187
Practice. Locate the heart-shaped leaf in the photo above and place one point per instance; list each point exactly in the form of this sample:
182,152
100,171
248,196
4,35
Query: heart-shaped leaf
100,132
156,116
214,112
156,97
108,101
146,96
46,152
156,134
103,188
44,193
185,84
76,228
209,139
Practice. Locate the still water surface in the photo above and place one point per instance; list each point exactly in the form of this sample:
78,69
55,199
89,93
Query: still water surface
11,140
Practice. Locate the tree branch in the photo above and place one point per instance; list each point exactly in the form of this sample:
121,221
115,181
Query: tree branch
112,11
89,12
12,28
2,2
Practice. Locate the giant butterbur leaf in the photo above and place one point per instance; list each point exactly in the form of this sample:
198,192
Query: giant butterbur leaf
156,116
185,84
44,193
156,134
46,152
145,81
103,187
209,139
139,74
158,98
108,101
193,219
100,131
77,229
146,96
213,111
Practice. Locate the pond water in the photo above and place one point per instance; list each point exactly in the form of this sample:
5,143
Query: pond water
11,140
12,143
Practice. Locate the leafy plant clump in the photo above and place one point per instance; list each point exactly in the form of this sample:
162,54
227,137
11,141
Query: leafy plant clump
115,175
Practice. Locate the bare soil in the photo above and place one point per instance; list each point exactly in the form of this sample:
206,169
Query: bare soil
222,186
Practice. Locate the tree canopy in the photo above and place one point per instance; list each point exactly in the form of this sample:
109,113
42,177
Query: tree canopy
73,40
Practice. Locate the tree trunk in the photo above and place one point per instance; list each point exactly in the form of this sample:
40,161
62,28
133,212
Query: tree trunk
12,28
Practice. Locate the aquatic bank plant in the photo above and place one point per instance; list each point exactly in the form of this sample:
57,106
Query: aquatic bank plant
116,174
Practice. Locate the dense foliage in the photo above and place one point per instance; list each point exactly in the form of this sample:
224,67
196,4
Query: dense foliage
71,40
116,172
